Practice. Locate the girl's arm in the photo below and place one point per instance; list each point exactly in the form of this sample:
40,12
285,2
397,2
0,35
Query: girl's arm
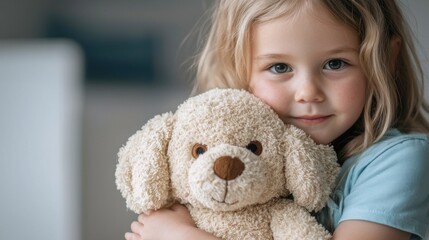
176,223
172,223
358,230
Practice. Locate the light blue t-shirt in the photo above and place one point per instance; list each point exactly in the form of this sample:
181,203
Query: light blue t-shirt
388,184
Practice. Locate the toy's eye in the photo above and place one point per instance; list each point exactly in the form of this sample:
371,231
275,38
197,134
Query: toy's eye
255,147
198,149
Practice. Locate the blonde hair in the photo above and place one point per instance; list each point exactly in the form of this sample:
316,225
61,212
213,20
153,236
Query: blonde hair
394,99
225,60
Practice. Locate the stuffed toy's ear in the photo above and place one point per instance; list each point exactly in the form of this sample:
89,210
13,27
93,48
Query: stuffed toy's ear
310,169
142,173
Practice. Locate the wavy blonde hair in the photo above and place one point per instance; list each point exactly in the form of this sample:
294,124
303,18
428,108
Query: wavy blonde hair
394,98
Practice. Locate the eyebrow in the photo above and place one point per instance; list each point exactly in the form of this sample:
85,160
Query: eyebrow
343,49
281,56
271,56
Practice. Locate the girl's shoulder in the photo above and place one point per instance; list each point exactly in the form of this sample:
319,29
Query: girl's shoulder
385,183
394,137
396,154
399,146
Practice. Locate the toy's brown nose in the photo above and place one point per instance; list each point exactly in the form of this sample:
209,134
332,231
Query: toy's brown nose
228,168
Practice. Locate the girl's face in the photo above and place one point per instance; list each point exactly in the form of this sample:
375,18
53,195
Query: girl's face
306,67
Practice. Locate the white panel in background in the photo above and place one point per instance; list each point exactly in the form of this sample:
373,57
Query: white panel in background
40,122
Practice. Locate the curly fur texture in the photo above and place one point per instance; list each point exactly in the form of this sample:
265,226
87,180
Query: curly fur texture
230,159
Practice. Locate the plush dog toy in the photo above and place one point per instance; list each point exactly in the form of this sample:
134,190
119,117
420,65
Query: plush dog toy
242,173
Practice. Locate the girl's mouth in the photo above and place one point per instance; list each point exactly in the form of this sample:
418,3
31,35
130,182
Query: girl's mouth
312,119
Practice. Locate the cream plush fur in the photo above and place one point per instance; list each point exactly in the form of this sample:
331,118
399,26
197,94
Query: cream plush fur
230,159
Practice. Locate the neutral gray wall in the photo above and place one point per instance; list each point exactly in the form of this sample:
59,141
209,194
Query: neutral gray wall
23,18
418,18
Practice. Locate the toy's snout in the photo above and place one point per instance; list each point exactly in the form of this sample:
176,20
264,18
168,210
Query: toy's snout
228,168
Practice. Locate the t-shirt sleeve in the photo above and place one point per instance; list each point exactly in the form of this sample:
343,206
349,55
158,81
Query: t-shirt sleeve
393,188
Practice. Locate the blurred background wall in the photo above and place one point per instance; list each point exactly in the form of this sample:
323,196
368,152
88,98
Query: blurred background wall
77,78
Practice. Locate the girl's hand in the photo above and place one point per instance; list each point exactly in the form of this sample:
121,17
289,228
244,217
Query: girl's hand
172,223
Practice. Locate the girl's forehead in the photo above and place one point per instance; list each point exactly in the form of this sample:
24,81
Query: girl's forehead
281,8
304,34
310,16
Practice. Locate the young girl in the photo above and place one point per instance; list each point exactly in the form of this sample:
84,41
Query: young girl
346,72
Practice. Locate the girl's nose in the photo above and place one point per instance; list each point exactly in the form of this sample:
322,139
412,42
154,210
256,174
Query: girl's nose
309,90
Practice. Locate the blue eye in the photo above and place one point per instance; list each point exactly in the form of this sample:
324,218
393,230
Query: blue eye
280,68
335,64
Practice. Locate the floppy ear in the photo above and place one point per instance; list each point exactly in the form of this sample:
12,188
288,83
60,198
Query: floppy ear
310,169
142,173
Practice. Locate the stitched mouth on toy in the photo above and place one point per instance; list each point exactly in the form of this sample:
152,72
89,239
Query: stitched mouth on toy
224,197
224,201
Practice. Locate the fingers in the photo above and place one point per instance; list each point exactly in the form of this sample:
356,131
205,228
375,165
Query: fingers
178,207
141,217
149,212
137,227
132,236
